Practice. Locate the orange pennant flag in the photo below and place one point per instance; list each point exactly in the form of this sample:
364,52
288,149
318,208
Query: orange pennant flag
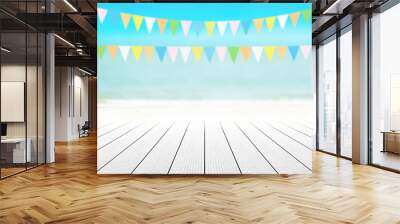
258,24
126,18
112,50
294,17
148,52
161,24
245,53
282,52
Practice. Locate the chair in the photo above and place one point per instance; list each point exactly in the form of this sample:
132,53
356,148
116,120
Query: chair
84,130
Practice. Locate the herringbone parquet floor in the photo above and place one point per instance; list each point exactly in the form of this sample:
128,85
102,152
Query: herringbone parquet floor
70,191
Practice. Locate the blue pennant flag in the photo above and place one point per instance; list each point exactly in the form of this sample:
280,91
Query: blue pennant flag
209,52
198,25
161,52
246,25
293,51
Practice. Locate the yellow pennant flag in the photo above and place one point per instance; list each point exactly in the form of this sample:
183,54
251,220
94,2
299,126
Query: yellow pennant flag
210,27
294,17
126,18
269,51
149,52
138,21
112,50
258,24
270,22
245,53
197,52
282,52
137,51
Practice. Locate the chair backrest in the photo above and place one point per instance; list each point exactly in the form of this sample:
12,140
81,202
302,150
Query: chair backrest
86,125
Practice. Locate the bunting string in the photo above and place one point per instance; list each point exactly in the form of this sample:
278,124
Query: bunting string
186,26
199,53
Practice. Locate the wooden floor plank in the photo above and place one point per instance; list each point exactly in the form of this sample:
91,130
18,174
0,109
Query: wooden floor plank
302,129
295,135
115,134
249,159
110,128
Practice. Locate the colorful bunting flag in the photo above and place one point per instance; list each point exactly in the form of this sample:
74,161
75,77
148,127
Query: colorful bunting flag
307,14
174,24
221,51
209,52
197,27
186,26
257,51
124,52
137,52
137,20
293,51
258,24
294,17
305,49
221,27
100,50
126,18
197,52
148,52
112,50
282,51
245,53
233,52
234,25
185,52
149,23
282,20
161,24
246,26
270,21
210,27
269,52
102,14
173,52
161,52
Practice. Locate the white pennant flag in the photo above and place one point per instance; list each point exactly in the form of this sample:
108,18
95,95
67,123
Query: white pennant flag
186,26
234,26
102,14
282,20
221,51
221,27
257,51
185,52
149,23
173,52
305,49
124,52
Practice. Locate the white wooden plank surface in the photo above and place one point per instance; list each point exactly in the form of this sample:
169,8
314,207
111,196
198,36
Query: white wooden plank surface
109,128
300,128
107,153
111,136
301,138
218,156
249,159
282,161
160,158
125,162
190,157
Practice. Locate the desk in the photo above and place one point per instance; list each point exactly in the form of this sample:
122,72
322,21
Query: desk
391,141
13,150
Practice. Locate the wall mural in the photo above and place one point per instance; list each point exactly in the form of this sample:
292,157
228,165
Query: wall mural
205,88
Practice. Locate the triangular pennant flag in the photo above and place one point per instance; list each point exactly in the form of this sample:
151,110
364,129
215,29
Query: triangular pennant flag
257,51
186,26
197,52
174,24
221,51
209,52
307,14
282,20
138,21
124,52
149,23
112,50
305,49
246,26
173,52
100,50
161,24
102,14
148,52
258,24
234,25
126,18
210,27
197,27
269,52
161,52
137,52
270,22
294,17
185,52
233,52
245,53
221,27
293,51
282,52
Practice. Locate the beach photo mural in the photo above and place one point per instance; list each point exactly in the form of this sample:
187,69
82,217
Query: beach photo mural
205,88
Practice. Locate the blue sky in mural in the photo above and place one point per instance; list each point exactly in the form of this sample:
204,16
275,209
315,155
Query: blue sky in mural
204,79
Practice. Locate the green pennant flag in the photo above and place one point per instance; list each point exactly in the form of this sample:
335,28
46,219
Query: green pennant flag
307,14
100,50
233,52
174,25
